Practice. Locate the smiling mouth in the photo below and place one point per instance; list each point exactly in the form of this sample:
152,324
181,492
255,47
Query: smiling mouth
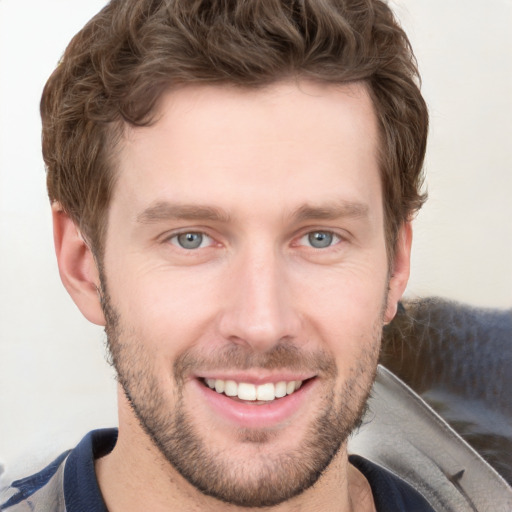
248,392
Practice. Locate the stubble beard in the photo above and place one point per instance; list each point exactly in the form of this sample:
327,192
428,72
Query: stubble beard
269,478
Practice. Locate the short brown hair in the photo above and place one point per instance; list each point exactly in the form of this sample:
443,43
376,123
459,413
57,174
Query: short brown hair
117,67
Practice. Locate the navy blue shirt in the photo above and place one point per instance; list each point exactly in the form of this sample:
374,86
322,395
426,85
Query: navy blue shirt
73,487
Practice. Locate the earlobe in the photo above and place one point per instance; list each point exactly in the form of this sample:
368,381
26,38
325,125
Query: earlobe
399,271
77,266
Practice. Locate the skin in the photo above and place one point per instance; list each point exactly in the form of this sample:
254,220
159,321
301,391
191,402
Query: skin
255,172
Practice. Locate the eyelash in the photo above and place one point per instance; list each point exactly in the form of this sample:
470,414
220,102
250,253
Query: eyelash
174,240
333,239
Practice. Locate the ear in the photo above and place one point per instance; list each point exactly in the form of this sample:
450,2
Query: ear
399,271
77,266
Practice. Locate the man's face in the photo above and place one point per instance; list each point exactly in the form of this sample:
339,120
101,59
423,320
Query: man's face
245,252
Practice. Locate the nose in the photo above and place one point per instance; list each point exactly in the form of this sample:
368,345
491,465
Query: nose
259,309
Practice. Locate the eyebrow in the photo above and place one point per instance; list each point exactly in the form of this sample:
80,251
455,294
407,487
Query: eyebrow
331,211
164,211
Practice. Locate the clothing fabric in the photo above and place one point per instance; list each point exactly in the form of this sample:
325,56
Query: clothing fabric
69,483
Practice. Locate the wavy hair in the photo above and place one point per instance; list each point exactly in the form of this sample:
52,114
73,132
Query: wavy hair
117,67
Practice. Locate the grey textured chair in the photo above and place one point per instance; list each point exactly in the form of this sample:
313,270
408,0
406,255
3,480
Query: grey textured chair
458,358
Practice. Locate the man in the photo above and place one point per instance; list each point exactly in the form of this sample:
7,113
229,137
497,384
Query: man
232,186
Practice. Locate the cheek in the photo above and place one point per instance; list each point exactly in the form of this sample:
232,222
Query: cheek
165,308
350,292
346,313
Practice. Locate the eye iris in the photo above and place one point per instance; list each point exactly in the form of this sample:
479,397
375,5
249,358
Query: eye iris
320,239
190,240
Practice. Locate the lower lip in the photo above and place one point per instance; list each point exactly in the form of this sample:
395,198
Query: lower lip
247,415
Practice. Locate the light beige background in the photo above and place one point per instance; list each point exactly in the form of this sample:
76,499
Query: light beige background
54,384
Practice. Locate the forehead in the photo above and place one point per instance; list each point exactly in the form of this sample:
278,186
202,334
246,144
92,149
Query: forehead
286,143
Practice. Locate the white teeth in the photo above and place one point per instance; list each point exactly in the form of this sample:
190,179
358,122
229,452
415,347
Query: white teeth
280,389
231,388
245,391
266,392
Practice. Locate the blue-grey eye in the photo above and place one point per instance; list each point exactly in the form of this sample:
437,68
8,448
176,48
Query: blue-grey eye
190,240
320,239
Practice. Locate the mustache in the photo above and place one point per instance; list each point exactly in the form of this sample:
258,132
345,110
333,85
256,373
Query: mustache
239,357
